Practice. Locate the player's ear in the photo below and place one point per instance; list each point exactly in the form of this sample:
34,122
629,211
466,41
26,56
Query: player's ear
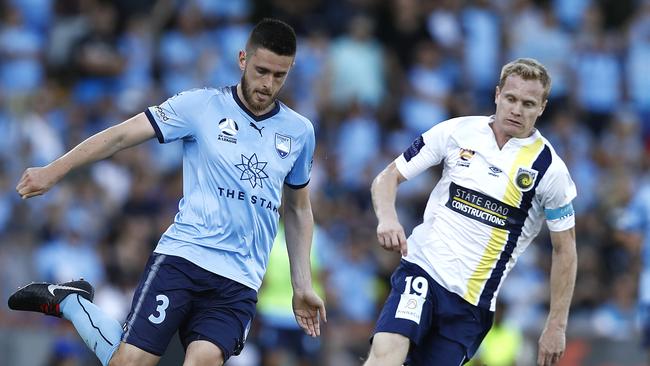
242,60
496,94
543,108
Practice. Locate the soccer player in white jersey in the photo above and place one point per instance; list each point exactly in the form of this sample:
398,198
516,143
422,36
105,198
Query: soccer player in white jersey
244,152
501,179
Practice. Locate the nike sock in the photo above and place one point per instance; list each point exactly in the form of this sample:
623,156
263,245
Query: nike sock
100,332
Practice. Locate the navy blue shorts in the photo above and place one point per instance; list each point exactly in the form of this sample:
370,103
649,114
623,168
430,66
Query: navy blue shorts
444,329
177,295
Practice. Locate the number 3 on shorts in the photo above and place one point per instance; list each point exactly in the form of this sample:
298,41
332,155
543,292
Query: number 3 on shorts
160,309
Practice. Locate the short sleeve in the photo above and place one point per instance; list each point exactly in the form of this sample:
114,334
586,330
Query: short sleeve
172,120
300,173
427,150
558,192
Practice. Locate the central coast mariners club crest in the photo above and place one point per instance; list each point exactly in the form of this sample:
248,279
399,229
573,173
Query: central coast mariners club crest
229,129
525,179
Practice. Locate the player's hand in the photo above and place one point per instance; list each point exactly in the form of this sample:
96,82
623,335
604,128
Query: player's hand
391,236
552,344
36,181
309,308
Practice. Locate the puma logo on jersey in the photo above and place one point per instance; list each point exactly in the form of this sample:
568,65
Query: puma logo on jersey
256,128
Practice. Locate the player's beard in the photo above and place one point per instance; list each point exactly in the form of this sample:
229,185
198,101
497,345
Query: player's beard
248,97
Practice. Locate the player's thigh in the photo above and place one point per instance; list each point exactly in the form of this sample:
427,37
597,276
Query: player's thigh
409,307
203,353
160,304
438,351
129,355
388,349
221,314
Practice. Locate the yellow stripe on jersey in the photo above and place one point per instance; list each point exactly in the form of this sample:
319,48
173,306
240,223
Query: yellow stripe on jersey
499,237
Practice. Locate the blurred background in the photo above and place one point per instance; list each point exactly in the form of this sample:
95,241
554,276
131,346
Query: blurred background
371,75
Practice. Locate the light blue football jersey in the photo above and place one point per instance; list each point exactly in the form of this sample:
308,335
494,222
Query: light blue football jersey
234,167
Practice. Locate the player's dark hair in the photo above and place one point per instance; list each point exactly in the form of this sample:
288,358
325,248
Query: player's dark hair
274,35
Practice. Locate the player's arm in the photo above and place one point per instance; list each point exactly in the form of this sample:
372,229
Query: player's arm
36,181
390,232
299,227
552,342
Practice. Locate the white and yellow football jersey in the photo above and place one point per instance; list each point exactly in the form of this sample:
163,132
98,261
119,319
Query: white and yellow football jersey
488,205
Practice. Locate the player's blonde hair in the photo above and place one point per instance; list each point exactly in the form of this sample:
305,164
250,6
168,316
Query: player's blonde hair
527,69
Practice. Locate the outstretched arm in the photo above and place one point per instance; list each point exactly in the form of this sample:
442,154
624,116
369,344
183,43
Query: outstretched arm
299,227
36,181
552,342
390,232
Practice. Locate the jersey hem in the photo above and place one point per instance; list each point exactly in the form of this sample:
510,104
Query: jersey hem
228,275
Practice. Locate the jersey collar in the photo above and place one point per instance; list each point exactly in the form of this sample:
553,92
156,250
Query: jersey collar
259,118
514,140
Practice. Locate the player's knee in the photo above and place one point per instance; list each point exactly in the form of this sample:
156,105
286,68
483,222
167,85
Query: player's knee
128,355
203,353
388,349
123,360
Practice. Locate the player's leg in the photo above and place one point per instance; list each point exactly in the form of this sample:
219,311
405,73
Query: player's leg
203,353
160,304
222,313
405,318
439,351
130,355
388,349
72,301
457,331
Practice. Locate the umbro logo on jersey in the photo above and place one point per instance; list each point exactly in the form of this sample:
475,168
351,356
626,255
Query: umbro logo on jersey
229,130
494,171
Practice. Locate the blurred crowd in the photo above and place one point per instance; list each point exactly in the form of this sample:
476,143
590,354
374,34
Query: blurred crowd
371,75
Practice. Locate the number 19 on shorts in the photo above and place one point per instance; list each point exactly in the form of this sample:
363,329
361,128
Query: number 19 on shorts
412,299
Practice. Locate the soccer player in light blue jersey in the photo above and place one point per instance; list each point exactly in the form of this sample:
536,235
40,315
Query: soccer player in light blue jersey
244,153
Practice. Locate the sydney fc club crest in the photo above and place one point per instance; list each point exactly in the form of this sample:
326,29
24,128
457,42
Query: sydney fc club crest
229,129
525,179
282,145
